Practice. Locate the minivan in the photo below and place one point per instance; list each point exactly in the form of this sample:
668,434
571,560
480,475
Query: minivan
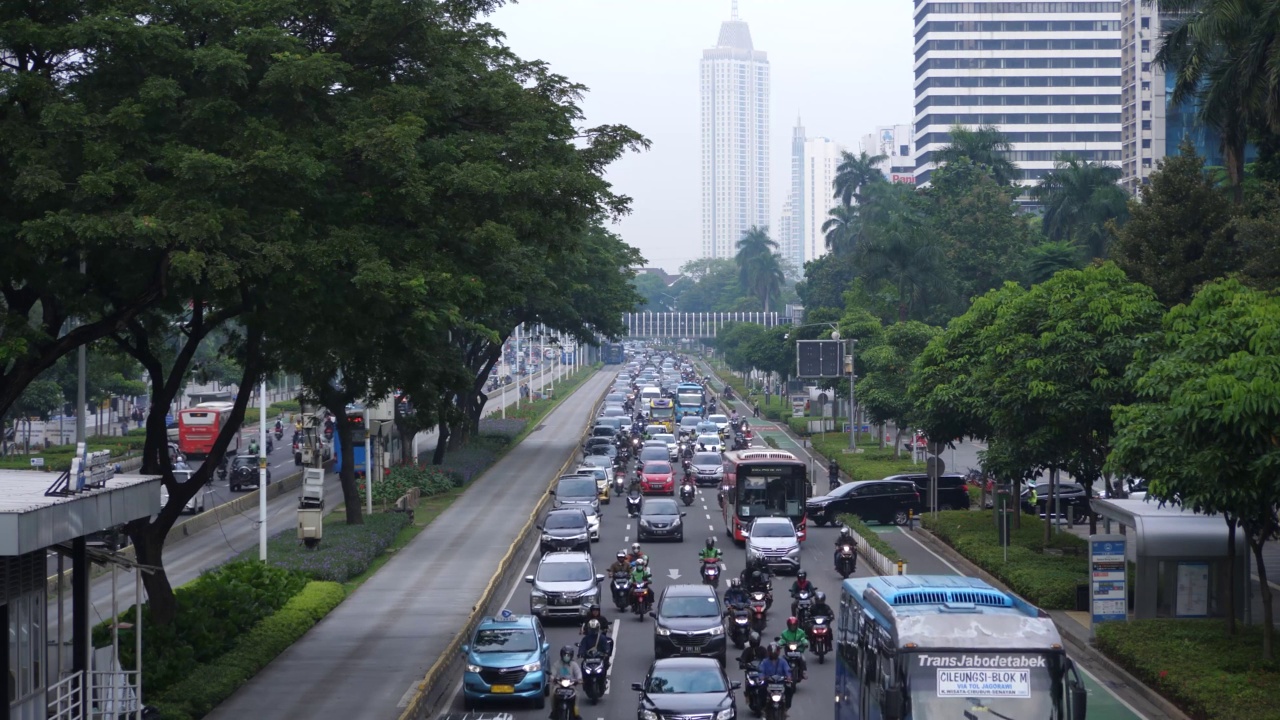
888,502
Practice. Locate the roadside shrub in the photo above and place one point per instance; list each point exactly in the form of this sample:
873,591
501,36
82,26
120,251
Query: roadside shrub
213,611
1197,666
207,685
429,479
345,552
286,406
1046,580
854,523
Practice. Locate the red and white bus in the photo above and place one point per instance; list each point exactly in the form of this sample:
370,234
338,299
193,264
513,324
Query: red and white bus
198,427
763,483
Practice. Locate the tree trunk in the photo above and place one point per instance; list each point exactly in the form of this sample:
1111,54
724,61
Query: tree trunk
897,442
1230,614
148,545
442,442
1268,615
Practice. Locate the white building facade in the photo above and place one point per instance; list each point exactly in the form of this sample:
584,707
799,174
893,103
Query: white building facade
1142,94
894,142
735,139
790,230
821,159
1046,74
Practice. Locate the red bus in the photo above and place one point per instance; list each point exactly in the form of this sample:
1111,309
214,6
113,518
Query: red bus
198,427
763,483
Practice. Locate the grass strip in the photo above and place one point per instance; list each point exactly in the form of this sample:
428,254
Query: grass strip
854,523
873,463
1197,666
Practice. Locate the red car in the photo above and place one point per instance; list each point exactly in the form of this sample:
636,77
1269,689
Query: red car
658,477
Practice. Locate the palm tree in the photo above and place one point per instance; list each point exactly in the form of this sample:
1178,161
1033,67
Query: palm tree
985,146
1080,198
1222,56
758,267
855,173
1047,259
841,228
898,252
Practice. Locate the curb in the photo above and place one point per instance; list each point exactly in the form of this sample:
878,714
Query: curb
431,693
1082,646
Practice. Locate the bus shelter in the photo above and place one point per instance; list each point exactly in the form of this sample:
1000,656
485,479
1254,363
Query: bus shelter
1177,559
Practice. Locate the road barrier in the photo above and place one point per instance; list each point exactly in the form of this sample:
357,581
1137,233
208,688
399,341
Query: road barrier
878,562
433,694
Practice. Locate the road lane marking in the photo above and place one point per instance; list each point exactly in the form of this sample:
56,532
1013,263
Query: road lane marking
924,547
1107,690
708,516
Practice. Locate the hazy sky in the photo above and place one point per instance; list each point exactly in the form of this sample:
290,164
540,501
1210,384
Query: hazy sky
843,65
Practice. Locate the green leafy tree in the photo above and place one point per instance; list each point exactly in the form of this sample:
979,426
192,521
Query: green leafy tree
1081,198
1046,259
758,267
1202,428
900,254
985,147
886,368
713,286
825,281
657,296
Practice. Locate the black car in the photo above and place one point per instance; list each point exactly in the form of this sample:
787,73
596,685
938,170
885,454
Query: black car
686,687
573,490
565,529
953,490
887,502
604,431
689,621
244,472
1072,498
660,518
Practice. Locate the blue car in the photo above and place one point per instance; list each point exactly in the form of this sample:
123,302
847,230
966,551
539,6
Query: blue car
507,659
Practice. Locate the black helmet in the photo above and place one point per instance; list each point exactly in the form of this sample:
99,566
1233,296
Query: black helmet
754,639
756,576
567,652
820,597
735,582
595,608
774,650
802,575
711,543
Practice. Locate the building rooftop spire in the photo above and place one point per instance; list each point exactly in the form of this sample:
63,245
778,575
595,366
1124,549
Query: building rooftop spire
734,12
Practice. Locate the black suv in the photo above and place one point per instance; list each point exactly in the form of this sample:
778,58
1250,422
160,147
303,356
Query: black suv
689,621
566,529
887,502
953,490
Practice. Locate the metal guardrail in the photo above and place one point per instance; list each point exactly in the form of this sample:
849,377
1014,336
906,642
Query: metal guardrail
877,560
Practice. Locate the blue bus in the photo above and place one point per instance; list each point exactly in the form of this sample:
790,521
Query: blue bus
355,417
614,354
949,646
690,400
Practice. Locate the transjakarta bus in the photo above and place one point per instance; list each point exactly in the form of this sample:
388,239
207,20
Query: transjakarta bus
763,483
663,412
689,400
947,646
198,427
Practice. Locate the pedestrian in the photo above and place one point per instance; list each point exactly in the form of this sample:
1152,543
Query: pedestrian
833,473
756,408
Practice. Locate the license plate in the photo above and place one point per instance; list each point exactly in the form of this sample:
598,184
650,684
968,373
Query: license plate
503,689
689,649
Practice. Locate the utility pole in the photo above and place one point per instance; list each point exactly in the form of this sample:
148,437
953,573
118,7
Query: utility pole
262,471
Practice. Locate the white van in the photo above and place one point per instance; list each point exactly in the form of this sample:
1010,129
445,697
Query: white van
649,394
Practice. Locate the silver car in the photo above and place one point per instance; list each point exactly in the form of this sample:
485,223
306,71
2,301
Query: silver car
708,468
773,540
565,585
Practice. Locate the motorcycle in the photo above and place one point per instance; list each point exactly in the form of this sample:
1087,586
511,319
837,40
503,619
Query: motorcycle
641,599
802,603
279,433
759,606
819,631
686,493
619,482
846,560
593,676
633,503
754,687
621,587
776,696
566,698
710,570
795,658
739,625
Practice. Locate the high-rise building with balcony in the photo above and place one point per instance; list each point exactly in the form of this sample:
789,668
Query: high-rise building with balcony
1046,74
1142,94
735,139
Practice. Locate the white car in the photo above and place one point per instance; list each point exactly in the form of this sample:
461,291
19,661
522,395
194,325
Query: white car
196,504
593,522
710,442
773,540
721,421
673,445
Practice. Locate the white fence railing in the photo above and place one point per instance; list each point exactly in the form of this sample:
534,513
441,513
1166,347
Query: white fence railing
114,695
881,564
64,700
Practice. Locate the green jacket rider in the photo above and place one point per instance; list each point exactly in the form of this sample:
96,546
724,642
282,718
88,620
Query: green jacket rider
710,551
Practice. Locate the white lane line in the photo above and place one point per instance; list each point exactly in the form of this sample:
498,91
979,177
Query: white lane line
708,516
628,526
625,538
506,602
1107,690
712,527
608,676
924,547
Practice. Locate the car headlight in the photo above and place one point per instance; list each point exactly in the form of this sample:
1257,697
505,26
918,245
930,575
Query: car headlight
677,521
717,630
726,714
532,667
663,632
644,523
648,715
793,552
547,538
473,668
538,595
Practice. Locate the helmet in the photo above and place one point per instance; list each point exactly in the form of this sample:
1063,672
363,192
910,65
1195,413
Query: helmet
820,598
622,554
567,652
635,548
844,531
774,650
642,561
754,639
735,583
595,608
593,624
711,543
792,623
802,575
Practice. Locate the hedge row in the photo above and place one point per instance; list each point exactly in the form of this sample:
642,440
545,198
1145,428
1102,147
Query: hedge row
1197,666
345,551
207,685
429,479
213,611
873,463
1046,580
854,523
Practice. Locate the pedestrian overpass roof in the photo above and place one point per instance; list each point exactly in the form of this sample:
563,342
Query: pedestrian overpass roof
32,520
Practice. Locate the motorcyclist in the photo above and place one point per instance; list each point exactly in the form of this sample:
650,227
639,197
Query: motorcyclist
753,652
774,665
279,427
820,606
846,538
793,634
833,474
801,583
595,636
593,613
622,564
568,668
735,596
253,447
640,571
636,553
710,551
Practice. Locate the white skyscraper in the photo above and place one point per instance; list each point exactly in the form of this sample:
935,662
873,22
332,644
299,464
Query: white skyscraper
821,158
894,142
1046,74
1142,92
790,230
735,139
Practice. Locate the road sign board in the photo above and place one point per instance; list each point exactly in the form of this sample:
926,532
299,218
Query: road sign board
819,358
935,448
1107,570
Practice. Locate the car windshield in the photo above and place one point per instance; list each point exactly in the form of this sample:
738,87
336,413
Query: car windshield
690,607
775,530
576,487
563,521
689,422
564,572
595,472
659,507
706,458
657,468
492,640
600,461
708,440
685,682
666,438
245,461
843,490
718,419
653,453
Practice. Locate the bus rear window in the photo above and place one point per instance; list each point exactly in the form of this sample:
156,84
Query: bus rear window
198,418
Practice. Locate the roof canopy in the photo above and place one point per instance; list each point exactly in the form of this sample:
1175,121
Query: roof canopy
1167,531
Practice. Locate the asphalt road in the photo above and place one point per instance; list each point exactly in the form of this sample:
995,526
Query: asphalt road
369,654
